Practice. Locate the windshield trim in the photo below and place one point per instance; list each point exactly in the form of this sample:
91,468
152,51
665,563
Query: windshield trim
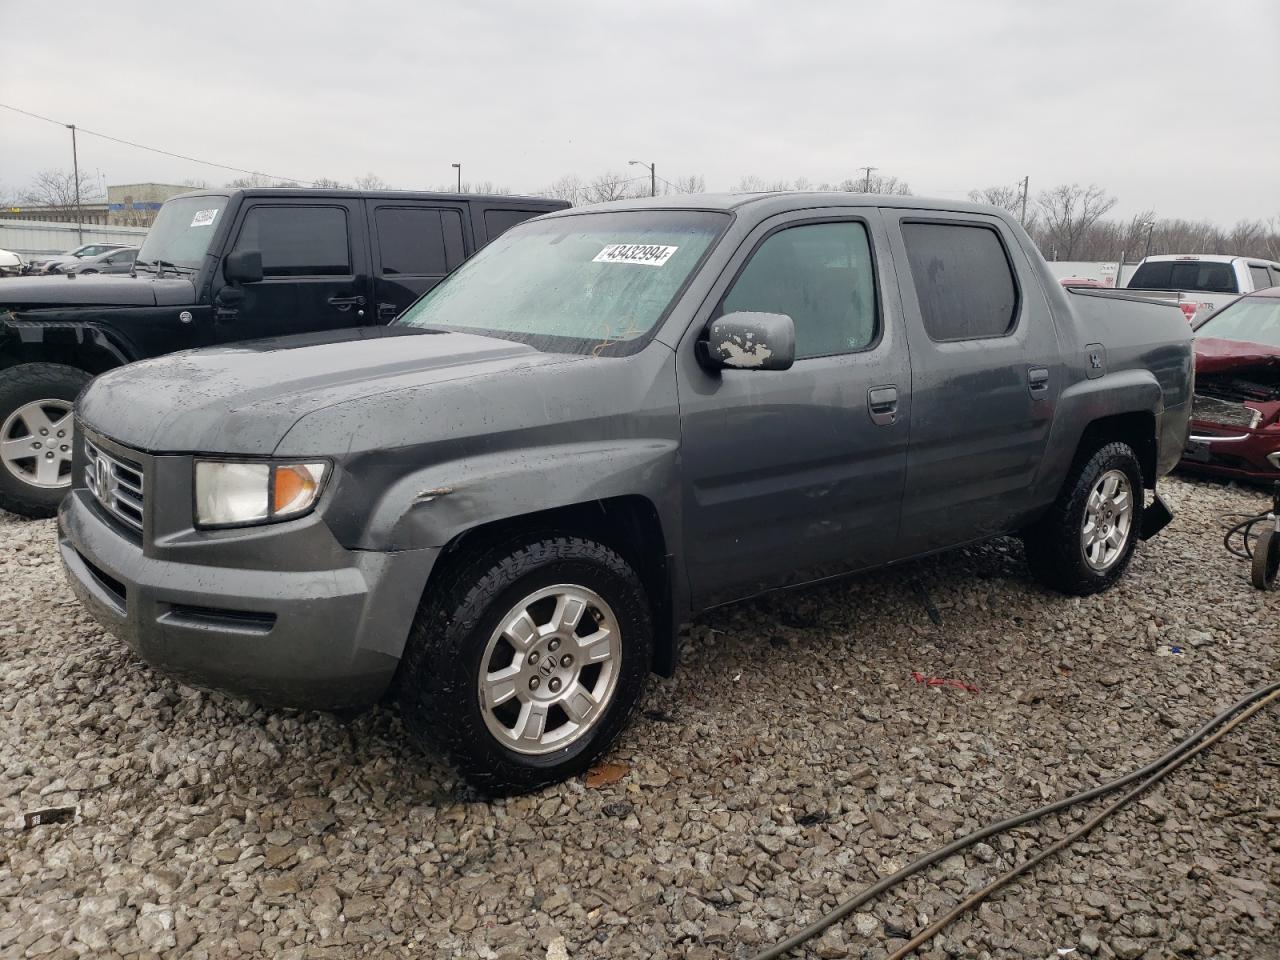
592,346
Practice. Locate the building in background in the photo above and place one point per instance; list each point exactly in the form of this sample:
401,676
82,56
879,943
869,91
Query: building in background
125,205
135,204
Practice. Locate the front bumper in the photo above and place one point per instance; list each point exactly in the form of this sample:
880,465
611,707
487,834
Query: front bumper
220,617
1233,451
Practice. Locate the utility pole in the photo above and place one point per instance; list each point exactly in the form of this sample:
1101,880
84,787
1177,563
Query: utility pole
653,176
1026,184
458,167
1151,225
75,172
866,186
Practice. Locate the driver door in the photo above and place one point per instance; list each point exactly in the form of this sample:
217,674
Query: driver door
791,475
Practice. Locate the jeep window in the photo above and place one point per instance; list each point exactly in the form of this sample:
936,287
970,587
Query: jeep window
418,241
1202,276
1249,319
963,280
586,283
298,241
497,222
182,231
820,275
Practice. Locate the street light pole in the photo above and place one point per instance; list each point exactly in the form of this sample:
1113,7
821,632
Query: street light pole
458,167
1151,225
75,172
1026,184
866,186
653,176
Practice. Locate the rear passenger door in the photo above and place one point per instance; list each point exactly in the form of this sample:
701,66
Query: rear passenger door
986,373
314,266
415,246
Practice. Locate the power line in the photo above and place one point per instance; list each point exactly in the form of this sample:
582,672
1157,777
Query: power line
167,153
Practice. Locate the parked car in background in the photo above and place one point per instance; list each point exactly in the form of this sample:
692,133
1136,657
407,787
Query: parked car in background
502,506
11,264
1235,427
113,261
43,263
1204,283
218,266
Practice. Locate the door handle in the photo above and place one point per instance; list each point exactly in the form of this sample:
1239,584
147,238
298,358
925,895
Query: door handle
882,405
346,303
1038,382
387,311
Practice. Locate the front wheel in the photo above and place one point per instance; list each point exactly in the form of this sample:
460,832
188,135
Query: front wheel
525,662
1085,541
36,426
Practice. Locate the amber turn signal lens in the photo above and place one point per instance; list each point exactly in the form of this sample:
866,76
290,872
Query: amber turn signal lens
294,487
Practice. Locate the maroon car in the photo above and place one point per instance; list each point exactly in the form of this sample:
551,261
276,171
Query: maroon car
1235,424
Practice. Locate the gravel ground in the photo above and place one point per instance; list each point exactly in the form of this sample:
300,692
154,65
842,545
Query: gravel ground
791,762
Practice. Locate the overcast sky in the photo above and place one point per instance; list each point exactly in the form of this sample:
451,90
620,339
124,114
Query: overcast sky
1172,105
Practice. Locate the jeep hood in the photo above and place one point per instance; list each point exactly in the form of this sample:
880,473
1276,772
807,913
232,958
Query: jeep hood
111,290
242,399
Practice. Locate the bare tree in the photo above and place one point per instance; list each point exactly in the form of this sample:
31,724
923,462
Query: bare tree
196,183
610,186
694,183
749,184
56,189
875,183
326,183
568,188
371,181
1070,211
259,180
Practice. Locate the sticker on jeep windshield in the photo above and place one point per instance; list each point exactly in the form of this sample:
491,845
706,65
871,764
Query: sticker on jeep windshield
647,254
204,218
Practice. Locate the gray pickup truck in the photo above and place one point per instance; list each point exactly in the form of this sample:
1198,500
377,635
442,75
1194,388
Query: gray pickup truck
500,508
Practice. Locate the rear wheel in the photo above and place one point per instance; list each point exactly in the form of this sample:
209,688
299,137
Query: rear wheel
36,427
1085,541
1266,558
525,661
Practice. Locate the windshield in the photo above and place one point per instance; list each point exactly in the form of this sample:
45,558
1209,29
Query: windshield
1200,275
589,283
182,231
1251,319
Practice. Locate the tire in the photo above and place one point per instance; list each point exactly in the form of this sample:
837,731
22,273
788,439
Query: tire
29,391
1266,558
85,273
458,634
1056,545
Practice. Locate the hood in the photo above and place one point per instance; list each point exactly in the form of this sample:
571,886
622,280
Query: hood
244,398
101,290
1234,356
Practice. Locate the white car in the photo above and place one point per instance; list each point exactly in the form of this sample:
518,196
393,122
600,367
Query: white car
53,263
10,264
1204,283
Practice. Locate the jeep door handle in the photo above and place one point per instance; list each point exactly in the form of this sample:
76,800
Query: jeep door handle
882,405
343,303
1038,382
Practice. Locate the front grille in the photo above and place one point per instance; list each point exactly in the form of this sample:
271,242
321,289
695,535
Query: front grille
117,484
1225,412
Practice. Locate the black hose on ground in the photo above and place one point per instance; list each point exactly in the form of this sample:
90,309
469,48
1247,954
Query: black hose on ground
1244,530
1151,774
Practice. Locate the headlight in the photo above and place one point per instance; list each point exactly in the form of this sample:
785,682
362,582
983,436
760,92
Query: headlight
236,492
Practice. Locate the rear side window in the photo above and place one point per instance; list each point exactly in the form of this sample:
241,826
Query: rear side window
1196,275
821,276
418,241
497,222
963,280
298,241
1261,279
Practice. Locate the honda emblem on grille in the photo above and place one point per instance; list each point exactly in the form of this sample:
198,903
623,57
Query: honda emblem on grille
106,480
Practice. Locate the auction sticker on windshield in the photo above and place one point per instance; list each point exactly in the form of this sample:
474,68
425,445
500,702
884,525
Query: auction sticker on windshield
646,254
204,218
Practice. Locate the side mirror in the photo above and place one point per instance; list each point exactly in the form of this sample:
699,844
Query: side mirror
749,341
243,266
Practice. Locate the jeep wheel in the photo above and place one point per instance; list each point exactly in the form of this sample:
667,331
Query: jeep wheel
36,402
525,662
1085,541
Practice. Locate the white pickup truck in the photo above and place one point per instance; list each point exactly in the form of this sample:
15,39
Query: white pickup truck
1204,283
